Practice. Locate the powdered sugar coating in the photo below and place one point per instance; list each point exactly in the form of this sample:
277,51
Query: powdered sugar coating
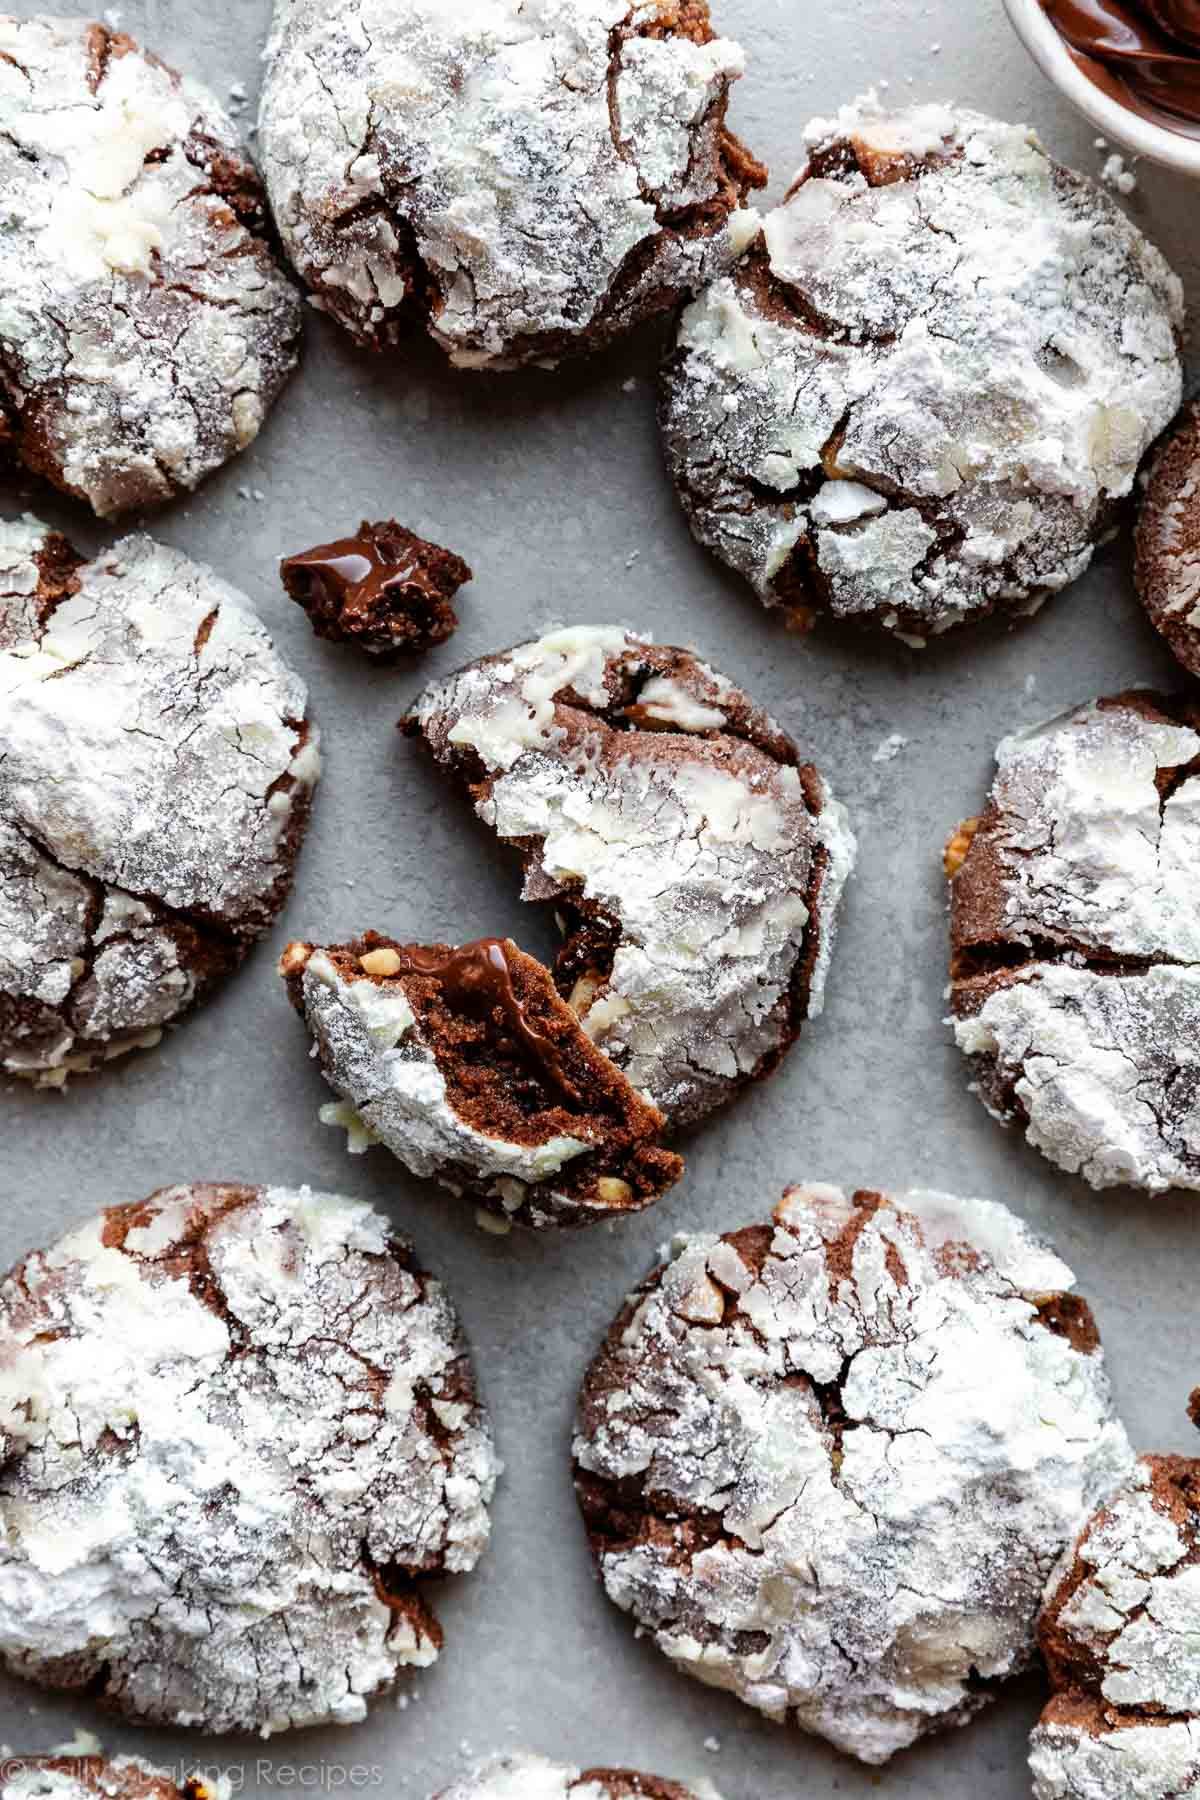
155,774
1119,1636
1084,874
239,1426
522,1776
1168,541
917,399
794,1481
696,863
145,328
526,177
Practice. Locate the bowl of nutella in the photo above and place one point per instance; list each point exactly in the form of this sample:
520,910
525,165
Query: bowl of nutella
1132,66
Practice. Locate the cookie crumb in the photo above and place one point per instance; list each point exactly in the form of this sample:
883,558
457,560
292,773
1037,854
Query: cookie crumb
1117,176
890,748
385,590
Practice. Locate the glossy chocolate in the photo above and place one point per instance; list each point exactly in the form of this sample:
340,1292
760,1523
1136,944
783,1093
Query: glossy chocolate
359,572
476,979
1144,53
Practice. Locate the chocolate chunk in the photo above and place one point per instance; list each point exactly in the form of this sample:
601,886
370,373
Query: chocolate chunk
386,590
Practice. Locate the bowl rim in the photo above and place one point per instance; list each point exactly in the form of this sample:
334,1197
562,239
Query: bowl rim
1121,123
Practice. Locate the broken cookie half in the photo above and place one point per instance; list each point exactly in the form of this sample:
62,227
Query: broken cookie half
469,1066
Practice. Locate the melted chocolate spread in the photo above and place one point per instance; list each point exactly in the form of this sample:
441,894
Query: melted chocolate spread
1143,53
477,980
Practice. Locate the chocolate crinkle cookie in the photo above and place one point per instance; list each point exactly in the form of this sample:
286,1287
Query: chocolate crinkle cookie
470,1067
1168,542
694,862
1075,933
238,1431
385,590
523,178
920,395
156,771
1119,1637
145,326
828,1463
67,1776
524,1777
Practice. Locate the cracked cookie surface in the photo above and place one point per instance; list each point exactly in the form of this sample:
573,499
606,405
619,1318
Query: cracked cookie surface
694,862
468,1065
524,178
238,1430
145,326
829,1463
521,1776
156,771
1168,542
920,395
73,1777
1075,935
1119,1637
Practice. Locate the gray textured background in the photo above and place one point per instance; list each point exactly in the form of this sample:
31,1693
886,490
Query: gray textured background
550,485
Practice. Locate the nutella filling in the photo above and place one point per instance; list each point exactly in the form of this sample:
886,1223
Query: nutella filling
1145,54
476,979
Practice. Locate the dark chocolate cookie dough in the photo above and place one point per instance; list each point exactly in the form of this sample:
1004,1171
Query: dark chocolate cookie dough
1168,541
469,1066
521,1776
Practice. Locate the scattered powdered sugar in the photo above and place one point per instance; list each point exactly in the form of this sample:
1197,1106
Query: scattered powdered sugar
916,399
524,175
829,1464
1117,176
238,1426
145,328
698,866
522,1776
1086,865
1120,1638
156,770
889,749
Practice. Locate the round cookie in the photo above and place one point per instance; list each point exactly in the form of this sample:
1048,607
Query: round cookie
1075,932
156,771
918,398
239,1431
66,1776
520,1776
1168,542
145,326
829,1463
693,861
522,180
469,1066
1119,1637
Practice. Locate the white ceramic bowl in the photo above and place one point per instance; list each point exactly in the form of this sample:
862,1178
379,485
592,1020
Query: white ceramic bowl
1119,123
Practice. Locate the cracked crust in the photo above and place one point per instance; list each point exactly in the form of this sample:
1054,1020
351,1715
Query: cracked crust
521,1776
1118,1635
1076,942
239,1430
1168,542
918,399
695,864
557,172
385,590
156,773
472,1070
828,1463
145,327
63,1777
